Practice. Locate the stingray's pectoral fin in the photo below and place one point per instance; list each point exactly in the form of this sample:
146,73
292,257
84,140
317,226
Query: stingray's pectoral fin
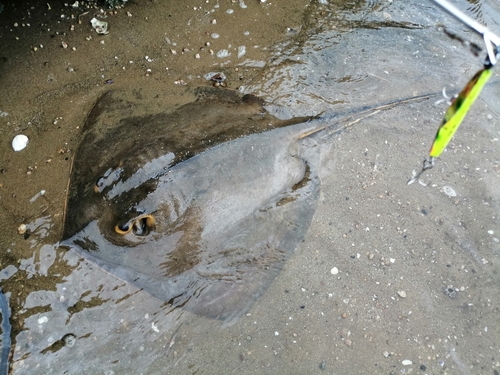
140,226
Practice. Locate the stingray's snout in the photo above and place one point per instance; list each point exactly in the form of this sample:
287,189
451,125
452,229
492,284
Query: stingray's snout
140,226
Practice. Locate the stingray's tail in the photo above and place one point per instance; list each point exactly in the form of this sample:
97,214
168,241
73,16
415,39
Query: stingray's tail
6,329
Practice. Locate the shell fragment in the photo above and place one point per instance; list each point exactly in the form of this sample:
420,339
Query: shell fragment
100,27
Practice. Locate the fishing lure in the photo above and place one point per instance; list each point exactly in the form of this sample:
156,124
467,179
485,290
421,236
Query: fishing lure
461,104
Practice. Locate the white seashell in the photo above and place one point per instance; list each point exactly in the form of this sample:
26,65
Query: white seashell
448,190
19,142
241,51
100,27
223,53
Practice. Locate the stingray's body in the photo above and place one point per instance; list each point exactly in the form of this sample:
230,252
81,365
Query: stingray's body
199,207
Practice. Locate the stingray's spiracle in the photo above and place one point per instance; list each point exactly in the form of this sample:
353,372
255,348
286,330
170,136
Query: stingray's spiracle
140,226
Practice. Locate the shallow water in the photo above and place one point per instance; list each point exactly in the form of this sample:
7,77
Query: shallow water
383,237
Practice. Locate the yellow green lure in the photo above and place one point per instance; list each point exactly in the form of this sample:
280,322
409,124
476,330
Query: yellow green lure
461,104
454,116
457,111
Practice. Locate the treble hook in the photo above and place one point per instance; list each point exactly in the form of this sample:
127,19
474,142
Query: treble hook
428,164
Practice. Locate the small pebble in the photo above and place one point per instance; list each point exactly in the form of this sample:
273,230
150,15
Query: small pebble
322,366
406,362
402,294
334,271
21,229
450,291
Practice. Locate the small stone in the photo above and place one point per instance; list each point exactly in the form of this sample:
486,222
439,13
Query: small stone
406,362
348,342
334,271
402,294
21,229
450,291
322,365
249,338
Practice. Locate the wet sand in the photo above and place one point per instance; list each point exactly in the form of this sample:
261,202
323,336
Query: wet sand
417,265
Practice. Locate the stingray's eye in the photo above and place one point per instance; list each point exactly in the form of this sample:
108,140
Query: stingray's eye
140,226
122,228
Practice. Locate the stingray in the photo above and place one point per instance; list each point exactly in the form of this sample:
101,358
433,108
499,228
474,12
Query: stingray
200,206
